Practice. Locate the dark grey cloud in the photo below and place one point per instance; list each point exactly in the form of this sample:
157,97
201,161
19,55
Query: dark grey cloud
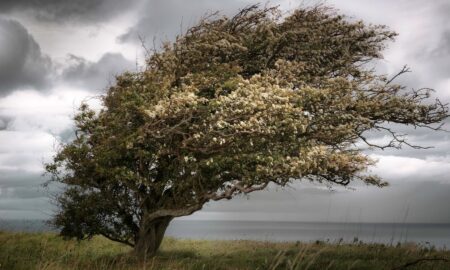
364,204
21,185
436,61
67,135
22,64
24,204
443,48
20,179
163,20
3,124
82,11
95,76
22,195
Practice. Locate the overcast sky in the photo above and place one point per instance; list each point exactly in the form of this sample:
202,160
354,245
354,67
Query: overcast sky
54,54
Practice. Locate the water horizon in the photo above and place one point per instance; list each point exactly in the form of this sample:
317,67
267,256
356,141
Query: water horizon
424,234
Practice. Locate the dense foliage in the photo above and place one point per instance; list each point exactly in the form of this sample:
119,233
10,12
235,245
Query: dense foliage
231,106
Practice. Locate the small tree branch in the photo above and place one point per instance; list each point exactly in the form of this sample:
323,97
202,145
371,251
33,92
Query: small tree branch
405,69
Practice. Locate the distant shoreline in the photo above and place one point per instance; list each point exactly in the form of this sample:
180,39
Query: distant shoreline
425,234
259,221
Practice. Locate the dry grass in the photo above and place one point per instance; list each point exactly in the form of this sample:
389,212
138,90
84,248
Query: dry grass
48,251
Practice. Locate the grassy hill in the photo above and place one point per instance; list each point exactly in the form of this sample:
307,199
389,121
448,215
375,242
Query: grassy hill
48,251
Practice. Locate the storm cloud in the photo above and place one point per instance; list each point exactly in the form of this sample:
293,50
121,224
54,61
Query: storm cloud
421,201
163,20
22,64
95,76
80,11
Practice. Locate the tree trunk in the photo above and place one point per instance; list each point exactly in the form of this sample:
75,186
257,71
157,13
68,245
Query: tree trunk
150,237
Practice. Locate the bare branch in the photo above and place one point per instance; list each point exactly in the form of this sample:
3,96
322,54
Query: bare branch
146,50
404,70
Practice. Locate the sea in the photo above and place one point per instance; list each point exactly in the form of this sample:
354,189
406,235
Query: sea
424,234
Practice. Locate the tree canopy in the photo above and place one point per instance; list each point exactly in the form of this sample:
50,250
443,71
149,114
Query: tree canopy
231,106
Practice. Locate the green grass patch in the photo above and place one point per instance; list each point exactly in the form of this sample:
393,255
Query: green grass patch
48,251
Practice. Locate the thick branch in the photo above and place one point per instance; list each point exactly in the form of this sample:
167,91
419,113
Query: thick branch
117,239
236,187
174,212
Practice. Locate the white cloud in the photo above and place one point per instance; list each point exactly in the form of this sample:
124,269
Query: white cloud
396,168
35,124
29,110
444,88
25,151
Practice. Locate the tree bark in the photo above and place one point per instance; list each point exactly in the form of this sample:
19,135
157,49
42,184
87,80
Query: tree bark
150,237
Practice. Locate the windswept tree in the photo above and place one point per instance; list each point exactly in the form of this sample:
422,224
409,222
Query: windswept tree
231,106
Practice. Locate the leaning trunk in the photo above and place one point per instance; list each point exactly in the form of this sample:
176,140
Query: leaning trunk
150,237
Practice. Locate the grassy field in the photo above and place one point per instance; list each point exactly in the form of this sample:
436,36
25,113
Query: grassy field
48,251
